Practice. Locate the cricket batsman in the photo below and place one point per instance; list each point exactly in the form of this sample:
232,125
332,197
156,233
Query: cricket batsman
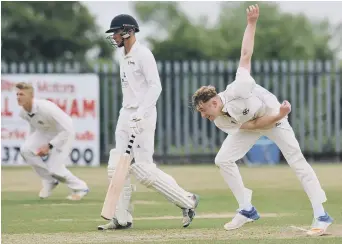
51,133
246,111
141,88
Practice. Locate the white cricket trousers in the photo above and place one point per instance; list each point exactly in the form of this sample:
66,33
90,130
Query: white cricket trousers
54,168
237,145
143,168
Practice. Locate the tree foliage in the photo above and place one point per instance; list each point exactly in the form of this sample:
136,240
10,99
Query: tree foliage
279,35
49,31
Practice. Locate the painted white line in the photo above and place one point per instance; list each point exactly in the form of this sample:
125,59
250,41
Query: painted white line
200,216
298,228
205,216
87,204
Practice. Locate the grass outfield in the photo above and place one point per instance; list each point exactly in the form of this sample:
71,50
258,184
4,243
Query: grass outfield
277,195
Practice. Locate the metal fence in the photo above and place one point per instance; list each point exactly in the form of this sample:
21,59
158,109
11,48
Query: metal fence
312,87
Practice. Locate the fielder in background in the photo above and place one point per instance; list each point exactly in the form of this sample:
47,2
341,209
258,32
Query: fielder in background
247,111
52,134
141,89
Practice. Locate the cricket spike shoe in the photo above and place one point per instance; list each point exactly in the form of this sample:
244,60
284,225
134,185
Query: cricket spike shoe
241,218
320,225
189,213
114,225
77,195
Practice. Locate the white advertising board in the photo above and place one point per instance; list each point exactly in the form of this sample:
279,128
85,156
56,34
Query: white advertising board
76,94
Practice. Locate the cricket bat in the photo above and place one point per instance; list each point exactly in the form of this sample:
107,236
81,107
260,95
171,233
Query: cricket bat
117,183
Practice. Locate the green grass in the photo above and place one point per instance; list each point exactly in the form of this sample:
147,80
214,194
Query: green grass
277,195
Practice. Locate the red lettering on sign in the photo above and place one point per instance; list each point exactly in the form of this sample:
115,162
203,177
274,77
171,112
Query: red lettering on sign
85,136
7,85
89,107
16,134
5,110
76,108
43,86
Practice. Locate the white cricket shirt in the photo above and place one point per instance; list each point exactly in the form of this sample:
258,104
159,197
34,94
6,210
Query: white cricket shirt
140,79
47,118
244,100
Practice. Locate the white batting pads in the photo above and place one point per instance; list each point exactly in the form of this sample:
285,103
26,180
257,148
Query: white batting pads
150,176
123,209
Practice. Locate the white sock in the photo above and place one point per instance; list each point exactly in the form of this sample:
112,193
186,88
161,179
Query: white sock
248,207
318,210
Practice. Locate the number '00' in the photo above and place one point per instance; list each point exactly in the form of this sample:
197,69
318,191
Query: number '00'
87,155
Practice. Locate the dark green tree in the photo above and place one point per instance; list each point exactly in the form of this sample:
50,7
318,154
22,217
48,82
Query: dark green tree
49,31
279,35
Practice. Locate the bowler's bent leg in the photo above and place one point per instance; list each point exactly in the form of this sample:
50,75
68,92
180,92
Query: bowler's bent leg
234,148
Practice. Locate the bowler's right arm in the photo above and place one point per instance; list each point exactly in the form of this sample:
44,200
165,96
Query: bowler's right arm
244,83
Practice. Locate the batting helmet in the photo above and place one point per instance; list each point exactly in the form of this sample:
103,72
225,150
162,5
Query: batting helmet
123,24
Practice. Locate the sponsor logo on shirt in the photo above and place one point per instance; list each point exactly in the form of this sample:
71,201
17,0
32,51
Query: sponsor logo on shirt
245,111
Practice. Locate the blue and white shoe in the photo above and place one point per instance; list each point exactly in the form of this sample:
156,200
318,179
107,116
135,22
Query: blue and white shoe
320,225
241,218
77,195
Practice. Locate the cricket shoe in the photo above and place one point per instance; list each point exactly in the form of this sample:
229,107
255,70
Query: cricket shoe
189,213
114,225
320,225
46,191
77,195
241,218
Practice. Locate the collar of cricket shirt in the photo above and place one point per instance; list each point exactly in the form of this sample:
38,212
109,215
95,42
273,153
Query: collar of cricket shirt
133,48
223,101
34,108
225,107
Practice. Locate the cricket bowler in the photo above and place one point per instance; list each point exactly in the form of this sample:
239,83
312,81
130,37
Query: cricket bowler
51,133
246,111
141,89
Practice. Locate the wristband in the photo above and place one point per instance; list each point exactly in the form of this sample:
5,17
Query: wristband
50,145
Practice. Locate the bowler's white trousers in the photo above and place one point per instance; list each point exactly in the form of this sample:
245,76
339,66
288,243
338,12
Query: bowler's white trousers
53,169
143,168
237,145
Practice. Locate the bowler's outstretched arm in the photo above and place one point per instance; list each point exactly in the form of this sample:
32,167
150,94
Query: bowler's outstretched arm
248,37
244,83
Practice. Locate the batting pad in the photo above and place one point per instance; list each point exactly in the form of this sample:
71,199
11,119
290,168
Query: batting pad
150,176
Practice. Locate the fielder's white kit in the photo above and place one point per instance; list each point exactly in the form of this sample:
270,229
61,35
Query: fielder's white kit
49,124
244,100
141,88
